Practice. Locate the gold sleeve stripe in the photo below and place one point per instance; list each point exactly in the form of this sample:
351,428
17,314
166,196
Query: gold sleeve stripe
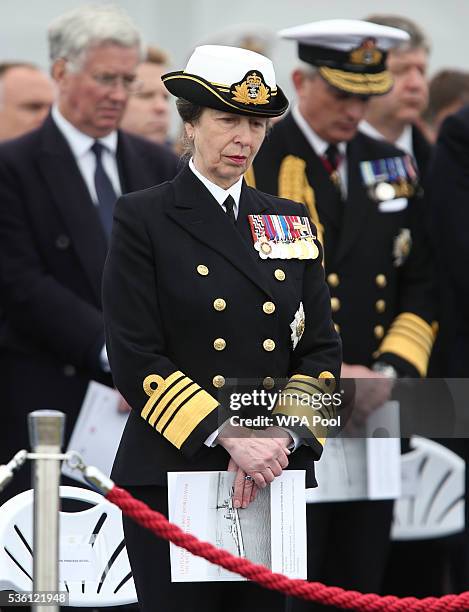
290,406
189,416
249,177
162,401
167,398
411,338
295,400
154,386
410,332
326,381
176,405
293,185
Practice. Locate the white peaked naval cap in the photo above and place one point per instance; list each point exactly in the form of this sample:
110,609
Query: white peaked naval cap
230,79
350,54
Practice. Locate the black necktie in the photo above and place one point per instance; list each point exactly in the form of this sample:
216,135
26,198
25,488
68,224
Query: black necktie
332,162
104,190
333,157
229,204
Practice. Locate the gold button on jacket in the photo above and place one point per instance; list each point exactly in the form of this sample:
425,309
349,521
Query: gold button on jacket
379,332
268,307
219,344
381,281
335,304
333,279
219,304
218,381
279,274
202,270
268,344
380,306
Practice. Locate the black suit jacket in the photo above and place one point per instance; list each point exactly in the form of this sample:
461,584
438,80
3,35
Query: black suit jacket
422,151
447,192
52,253
383,310
162,321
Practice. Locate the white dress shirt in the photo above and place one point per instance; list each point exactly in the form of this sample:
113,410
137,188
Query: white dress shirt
404,142
218,192
320,146
80,145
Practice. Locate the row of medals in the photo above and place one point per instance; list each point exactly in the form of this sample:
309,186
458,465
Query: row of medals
302,248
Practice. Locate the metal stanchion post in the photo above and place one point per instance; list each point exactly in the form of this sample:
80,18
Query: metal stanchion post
46,428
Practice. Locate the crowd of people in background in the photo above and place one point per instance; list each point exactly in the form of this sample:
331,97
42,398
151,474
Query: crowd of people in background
98,126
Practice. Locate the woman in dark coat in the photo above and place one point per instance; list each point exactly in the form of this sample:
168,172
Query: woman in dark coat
210,283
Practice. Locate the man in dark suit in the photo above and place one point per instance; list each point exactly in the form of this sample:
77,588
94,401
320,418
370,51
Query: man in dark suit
58,185
358,191
447,193
395,116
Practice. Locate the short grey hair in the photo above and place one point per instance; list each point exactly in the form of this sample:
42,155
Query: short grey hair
307,69
417,37
74,32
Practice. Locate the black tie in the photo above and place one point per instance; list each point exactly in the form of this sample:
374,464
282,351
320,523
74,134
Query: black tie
104,190
229,207
333,156
333,159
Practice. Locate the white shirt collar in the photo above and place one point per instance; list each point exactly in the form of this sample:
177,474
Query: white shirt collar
218,192
79,142
404,142
316,142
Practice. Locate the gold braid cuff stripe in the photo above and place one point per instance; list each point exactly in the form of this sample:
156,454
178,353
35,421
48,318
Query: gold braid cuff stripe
293,185
296,396
175,406
411,338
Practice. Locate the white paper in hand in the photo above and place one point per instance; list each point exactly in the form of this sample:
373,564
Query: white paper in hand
98,430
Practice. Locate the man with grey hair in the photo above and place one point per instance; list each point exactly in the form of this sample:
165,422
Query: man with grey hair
58,185
26,95
360,193
395,116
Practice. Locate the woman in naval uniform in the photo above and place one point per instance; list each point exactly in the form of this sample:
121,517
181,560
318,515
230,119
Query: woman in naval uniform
209,281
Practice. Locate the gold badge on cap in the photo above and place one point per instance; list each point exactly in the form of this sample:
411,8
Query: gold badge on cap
366,53
251,90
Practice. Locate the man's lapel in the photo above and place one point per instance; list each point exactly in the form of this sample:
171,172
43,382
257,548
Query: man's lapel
358,204
195,209
71,196
133,172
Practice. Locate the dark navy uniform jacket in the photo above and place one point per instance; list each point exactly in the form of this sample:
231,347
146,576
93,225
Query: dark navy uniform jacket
447,191
188,307
377,255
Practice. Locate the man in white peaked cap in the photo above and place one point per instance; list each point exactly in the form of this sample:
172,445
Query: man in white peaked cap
362,196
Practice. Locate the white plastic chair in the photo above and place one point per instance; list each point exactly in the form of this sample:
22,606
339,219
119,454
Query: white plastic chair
432,501
94,566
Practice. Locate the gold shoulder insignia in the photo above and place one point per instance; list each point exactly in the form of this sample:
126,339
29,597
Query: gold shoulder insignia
252,90
293,185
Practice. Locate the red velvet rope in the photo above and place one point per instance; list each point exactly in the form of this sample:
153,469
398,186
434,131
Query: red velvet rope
311,591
